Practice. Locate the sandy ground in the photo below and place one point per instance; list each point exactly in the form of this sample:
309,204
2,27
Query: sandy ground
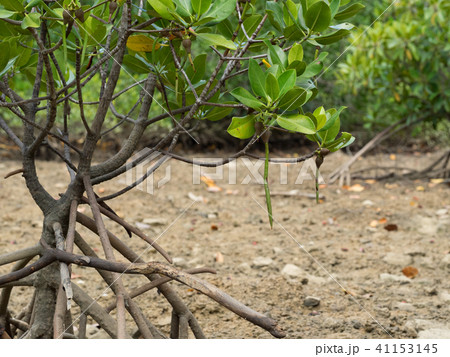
328,270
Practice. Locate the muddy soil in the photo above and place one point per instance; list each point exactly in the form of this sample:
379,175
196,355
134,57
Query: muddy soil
327,270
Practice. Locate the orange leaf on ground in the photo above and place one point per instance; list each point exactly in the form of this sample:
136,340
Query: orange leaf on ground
370,181
214,227
382,220
212,187
410,272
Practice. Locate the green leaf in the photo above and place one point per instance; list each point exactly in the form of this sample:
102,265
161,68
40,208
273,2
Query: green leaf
332,119
14,5
312,70
350,11
246,98
250,25
257,78
183,7
295,53
286,81
225,28
297,122
216,40
330,134
272,88
242,127
218,113
320,117
200,66
221,9
292,33
135,65
161,7
8,66
334,7
293,99
299,67
5,51
275,14
200,6
276,55
332,37
344,140
318,16
31,20
289,12
4,14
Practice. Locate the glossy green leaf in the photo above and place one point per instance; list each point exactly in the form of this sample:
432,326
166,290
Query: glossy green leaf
216,40
330,134
200,6
286,81
272,88
275,14
183,7
13,5
318,16
8,66
200,65
242,127
295,53
293,99
220,10
320,117
276,55
225,28
31,20
344,140
218,113
297,122
4,58
162,6
246,98
4,14
299,67
348,12
257,78
135,65
250,25
334,7
312,70
332,119
332,37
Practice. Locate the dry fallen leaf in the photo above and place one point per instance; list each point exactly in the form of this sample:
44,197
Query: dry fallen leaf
382,220
420,188
370,181
219,257
101,190
212,187
373,223
214,227
438,180
392,157
391,227
356,188
410,272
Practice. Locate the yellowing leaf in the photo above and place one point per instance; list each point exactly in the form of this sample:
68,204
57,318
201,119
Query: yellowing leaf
267,64
397,97
141,43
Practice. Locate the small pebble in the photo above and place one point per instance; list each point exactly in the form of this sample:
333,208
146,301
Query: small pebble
311,301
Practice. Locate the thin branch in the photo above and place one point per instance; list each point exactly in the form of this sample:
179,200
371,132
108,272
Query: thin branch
133,229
